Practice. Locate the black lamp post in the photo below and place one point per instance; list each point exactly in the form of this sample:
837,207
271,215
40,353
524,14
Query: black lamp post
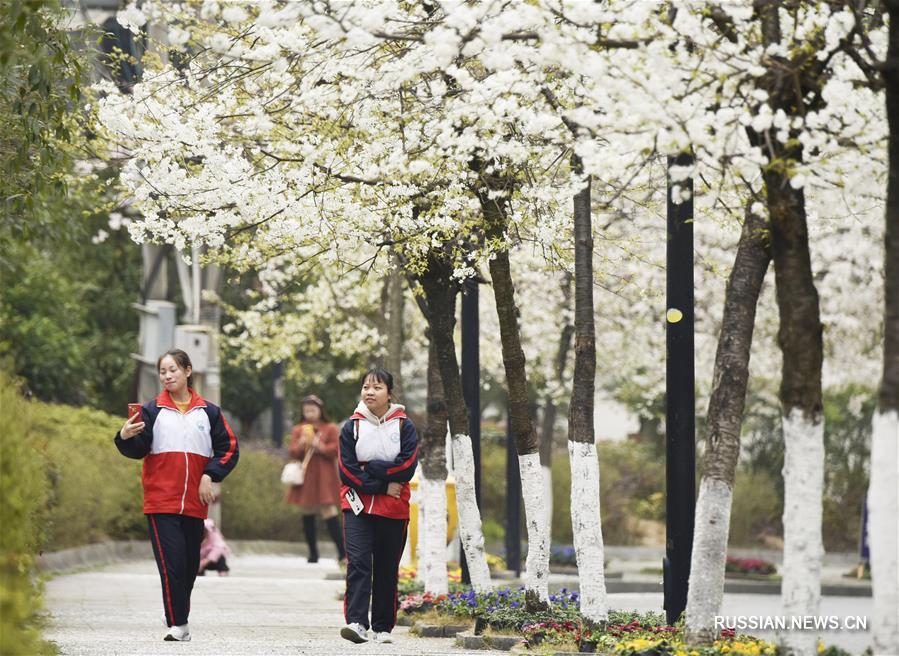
680,422
278,404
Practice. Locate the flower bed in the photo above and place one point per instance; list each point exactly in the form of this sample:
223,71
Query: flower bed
409,586
420,603
508,608
641,635
735,565
562,554
559,627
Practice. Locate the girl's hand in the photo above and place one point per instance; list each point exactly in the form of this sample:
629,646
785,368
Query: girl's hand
206,494
132,427
394,490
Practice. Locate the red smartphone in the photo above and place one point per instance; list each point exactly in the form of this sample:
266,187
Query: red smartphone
133,409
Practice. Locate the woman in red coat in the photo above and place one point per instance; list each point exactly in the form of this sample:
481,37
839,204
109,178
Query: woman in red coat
320,491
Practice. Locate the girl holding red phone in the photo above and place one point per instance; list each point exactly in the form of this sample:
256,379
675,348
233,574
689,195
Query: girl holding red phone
186,445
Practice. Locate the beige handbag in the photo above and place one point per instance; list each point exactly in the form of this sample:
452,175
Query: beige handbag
294,472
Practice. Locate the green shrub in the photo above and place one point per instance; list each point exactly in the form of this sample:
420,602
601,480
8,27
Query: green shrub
494,532
95,492
756,508
253,504
632,482
24,492
560,531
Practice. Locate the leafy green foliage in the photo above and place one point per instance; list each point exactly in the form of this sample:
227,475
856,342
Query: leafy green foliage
253,505
95,493
756,509
847,430
24,488
318,370
66,320
40,83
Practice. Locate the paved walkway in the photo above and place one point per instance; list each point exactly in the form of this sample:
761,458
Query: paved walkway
269,605
282,605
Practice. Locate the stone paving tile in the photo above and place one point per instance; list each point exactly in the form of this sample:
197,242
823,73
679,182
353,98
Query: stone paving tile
269,605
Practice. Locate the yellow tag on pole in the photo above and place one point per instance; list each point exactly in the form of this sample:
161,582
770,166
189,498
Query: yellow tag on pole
674,315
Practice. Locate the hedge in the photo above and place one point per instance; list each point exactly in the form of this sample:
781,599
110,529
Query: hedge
24,490
253,504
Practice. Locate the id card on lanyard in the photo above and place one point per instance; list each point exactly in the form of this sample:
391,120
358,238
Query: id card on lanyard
356,504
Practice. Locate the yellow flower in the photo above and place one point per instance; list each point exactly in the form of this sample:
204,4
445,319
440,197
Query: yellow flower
820,645
637,644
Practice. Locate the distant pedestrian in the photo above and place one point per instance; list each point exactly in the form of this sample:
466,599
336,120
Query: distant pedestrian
213,550
378,456
186,445
316,438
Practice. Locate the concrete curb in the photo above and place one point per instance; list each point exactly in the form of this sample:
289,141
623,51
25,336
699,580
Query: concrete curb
439,630
614,586
107,553
502,643
93,555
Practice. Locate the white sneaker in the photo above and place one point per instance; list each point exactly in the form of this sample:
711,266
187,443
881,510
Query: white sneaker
354,632
178,633
383,637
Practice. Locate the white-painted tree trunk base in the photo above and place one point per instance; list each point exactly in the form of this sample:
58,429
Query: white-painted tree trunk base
537,562
883,531
706,586
587,528
548,501
803,474
432,535
470,532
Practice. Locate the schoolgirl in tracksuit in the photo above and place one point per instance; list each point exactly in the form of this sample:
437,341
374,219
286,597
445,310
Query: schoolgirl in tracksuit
378,454
186,445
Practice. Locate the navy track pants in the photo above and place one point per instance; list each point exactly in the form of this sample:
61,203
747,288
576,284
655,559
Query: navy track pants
374,546
176,544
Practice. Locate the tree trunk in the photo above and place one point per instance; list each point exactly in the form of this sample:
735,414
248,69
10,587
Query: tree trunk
800,340
585,517
726,404
395,304
883,489
551,411
440,292
799,335
537,564
432,485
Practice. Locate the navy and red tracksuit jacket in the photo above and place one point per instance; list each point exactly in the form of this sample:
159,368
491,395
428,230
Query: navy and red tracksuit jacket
395,440
177,449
